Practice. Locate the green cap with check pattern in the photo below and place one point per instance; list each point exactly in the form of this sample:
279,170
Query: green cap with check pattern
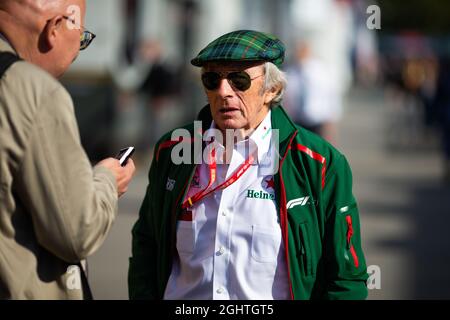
243,45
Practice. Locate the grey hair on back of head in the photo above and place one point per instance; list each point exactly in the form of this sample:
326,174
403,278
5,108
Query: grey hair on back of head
275,78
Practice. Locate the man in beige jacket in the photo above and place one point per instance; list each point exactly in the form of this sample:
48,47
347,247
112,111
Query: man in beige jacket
55,210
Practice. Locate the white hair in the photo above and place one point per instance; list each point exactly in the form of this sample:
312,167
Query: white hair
275,79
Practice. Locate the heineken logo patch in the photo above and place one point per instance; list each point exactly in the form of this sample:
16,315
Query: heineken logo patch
255,194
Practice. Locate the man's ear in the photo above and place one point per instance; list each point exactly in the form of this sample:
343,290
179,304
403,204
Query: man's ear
271,94
50,34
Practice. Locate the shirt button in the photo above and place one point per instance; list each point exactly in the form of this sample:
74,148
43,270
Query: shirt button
224,213
221,250
220,290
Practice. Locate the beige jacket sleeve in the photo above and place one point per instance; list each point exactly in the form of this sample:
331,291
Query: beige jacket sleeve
72,206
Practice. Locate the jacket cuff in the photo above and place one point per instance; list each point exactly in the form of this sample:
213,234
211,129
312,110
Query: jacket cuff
103,173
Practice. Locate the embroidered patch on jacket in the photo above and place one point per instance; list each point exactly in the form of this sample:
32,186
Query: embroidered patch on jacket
303,201
170,184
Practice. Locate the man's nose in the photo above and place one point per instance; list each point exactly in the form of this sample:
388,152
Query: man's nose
225,89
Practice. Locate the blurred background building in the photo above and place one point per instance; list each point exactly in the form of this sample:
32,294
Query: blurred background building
382,96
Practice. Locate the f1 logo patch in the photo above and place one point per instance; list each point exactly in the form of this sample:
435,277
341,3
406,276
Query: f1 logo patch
297,202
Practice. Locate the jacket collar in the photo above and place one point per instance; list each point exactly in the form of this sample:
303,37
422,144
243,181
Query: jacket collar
282,122
5,46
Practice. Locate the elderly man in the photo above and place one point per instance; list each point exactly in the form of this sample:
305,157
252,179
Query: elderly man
55,210
271,217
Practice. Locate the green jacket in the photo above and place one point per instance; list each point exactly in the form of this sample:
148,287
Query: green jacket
323,247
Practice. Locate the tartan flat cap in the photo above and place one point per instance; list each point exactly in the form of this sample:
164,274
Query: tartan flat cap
242,45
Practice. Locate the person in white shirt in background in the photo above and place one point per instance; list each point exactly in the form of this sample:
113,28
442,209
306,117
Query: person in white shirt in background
312,98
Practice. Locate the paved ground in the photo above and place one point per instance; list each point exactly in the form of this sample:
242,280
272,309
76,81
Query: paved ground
405,209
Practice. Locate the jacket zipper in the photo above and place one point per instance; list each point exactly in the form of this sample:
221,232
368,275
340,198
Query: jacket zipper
349,240
283,215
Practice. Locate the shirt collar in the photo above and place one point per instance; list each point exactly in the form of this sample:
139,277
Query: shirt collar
212,132
262,137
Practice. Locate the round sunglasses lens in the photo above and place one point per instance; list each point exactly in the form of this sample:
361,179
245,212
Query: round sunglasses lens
240,80
84,41
211,80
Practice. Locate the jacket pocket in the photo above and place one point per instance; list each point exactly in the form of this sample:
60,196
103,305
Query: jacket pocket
349,236
305,250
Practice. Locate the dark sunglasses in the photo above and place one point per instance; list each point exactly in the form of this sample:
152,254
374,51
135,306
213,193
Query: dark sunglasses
86,37
239,80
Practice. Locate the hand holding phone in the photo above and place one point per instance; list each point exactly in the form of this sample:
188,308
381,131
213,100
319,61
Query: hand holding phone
124,154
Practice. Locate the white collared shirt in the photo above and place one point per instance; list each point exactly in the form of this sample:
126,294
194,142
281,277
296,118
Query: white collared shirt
233,248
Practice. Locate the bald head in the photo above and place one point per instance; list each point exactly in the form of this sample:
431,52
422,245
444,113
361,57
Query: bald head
30,14
38,30
38,6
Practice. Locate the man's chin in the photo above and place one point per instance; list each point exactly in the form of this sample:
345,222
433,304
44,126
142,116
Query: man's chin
229,123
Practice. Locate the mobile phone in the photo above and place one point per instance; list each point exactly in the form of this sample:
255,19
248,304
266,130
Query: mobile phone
124,154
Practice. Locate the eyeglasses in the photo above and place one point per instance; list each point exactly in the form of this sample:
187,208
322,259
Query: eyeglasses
239,80
86,37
